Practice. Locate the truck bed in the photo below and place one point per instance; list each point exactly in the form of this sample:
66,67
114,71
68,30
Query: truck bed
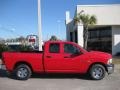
32,58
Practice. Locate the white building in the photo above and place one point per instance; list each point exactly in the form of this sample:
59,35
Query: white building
105,35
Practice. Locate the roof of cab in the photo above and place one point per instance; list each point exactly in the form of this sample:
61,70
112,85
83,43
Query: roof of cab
59,41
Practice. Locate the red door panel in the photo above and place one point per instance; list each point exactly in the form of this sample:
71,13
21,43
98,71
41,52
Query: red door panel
63,62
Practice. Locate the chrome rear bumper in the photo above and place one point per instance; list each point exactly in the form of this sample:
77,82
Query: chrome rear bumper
2,67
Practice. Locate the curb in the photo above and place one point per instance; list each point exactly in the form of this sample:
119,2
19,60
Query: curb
117,68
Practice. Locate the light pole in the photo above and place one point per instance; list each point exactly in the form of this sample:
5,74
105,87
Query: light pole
59,27
39,26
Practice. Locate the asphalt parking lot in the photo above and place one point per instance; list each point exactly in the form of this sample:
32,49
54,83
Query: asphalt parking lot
61,82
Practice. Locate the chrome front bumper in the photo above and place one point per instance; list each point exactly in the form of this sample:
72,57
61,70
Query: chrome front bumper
110,68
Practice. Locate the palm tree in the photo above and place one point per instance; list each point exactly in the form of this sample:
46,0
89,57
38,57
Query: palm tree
87,20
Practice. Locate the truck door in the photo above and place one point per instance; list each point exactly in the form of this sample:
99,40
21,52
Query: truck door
72,58
53,57
63,58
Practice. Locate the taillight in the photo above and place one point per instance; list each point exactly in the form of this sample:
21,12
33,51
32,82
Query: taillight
1,62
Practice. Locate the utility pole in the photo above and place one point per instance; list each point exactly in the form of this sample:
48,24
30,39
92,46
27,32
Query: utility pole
59,27
39,26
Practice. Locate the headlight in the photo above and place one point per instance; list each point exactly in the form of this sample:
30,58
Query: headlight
109,61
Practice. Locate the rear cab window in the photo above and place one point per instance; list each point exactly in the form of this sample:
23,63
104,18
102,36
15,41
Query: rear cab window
54,48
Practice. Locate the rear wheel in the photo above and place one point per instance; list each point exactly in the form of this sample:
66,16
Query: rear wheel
22,72
97,72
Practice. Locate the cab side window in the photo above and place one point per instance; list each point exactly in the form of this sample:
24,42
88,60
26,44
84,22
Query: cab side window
71,49
54,48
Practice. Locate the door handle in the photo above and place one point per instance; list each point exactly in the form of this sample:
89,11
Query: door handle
66,56
48,56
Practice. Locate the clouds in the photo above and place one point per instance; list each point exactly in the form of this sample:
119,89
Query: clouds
7,29
7,32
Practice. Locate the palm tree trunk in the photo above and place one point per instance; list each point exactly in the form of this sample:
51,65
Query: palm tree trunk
85,37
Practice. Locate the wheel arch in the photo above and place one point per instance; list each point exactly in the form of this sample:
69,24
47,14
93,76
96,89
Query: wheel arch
97,63
23,62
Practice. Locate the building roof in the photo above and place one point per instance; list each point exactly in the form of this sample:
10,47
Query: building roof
98,5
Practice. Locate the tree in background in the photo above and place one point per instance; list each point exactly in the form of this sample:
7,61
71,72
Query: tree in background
87,21
54,38
2,41
22,40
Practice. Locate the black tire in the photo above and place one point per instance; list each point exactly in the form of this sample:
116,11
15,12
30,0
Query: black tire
22,72
97,72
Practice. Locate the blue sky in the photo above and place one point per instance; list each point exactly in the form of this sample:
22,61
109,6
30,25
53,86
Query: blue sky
19,17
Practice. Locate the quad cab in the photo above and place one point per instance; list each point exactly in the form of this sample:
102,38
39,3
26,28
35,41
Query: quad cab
58,57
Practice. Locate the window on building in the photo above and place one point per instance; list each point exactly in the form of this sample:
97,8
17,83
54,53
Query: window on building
76,35
105,32
93,34
71,36
101,32
54,48
102,39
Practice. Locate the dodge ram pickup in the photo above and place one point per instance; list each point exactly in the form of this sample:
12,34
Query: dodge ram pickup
58,57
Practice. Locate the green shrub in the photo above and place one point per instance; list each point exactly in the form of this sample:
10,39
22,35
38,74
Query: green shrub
25,48
3,48
17,48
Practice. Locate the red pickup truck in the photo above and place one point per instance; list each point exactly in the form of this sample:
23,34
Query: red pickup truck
59,57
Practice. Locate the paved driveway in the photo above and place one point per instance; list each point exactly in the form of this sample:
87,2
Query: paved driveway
61,82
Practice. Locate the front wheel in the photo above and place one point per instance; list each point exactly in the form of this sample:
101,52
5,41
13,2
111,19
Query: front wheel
97,72
22,72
